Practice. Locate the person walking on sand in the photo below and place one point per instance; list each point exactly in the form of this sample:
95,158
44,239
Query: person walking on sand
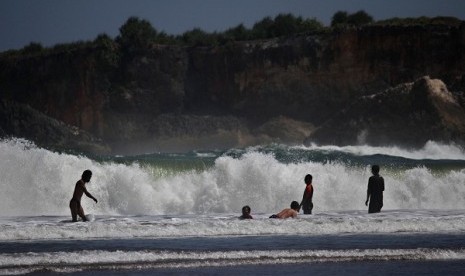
307,203
375,191
288,212
79,189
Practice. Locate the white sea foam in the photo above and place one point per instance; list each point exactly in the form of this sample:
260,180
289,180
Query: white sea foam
431,150
354,222
37,182
20,263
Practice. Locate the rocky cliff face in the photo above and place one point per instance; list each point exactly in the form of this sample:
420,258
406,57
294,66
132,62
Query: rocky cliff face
19,120
408,114
244,92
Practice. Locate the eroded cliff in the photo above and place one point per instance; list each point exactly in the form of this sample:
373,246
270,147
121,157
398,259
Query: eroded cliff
241,92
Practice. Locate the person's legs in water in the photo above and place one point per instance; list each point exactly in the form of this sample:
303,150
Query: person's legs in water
76,210
374,207
74,206
81,213
308,209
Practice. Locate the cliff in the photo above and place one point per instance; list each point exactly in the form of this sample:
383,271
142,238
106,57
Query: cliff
19,120
242,93
409,114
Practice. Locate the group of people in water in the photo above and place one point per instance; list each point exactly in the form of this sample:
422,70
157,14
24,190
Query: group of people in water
374,199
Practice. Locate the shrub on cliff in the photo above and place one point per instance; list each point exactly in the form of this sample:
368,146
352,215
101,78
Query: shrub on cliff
284,24
237,33
355,19
107,51
423,20
198,37
32,48
136,34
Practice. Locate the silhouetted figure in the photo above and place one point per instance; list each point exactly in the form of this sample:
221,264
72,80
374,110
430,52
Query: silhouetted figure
288,212
307,204
79,189
375,191
246,213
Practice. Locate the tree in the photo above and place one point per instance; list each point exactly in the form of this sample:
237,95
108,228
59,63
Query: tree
262,28
33,48
107,51
285,24
238,33
311,24
359,18
198,37
136,34
355,19
339,18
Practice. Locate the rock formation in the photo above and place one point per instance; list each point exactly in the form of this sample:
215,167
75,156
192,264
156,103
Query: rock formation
409,114
241,93
19,120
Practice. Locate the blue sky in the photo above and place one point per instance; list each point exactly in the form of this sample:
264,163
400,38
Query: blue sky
62,21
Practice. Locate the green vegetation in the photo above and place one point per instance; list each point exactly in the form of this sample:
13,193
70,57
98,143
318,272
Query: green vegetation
355,19
420,21
33,48
139,34
136,34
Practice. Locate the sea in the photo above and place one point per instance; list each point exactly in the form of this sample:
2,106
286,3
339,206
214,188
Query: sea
177,213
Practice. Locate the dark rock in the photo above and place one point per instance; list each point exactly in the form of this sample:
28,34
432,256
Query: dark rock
308,78
284,130
409,114
19,120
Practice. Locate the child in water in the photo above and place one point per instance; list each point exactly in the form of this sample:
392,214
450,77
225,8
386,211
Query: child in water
307,203
246,213
375,191
79,190
288,212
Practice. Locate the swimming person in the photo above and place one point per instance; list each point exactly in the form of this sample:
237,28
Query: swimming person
288,212
246,213
307,203
79,189
375,191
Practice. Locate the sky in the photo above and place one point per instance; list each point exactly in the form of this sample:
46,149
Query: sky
50,22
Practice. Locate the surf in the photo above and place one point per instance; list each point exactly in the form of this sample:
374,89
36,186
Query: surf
38,182
127,260
224,225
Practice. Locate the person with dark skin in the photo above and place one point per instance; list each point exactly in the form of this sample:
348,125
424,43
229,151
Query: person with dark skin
375,191
246,213
79,189
307,203
288,212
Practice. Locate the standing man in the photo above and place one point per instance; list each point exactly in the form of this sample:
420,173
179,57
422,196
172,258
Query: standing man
307,203
375,191
79,189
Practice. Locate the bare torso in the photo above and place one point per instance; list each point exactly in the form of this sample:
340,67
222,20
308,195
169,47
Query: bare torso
287,213
79,190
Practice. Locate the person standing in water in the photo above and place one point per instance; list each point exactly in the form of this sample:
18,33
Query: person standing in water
307,203
79,189
375,191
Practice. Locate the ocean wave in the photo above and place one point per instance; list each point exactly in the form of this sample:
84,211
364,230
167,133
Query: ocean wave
39,182
98,259
432,150
354,222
